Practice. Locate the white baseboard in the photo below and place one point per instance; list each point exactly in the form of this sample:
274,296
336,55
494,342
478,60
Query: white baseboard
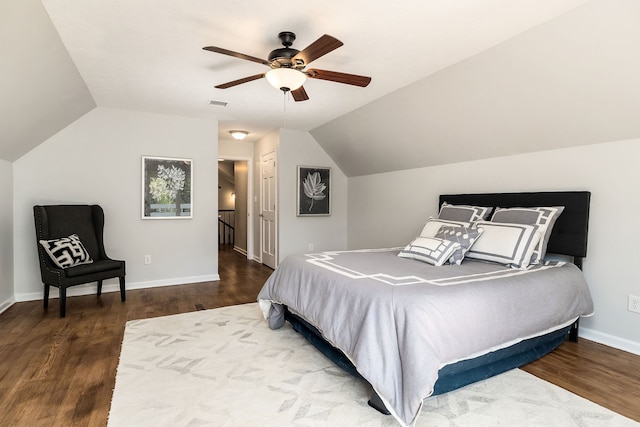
239,249
6,304
610,340
114,286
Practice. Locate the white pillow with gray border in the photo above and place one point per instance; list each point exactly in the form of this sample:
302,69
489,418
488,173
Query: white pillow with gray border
543,217
508,244
430,250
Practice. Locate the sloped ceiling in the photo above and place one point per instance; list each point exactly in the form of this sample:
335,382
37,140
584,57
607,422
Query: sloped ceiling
452,81
41,89
147,55
572,81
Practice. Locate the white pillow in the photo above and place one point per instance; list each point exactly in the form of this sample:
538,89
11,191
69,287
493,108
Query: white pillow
509,244
433,225
430,250
543,217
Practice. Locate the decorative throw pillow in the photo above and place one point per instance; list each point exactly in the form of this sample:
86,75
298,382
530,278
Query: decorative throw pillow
463,212
67,251
543,217
433,225
464,236
509,244
430,250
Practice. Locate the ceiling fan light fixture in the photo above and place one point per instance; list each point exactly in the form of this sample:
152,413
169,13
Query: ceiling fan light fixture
286,79
239,134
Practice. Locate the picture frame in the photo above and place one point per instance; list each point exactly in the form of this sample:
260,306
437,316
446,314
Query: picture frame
314,191
167,188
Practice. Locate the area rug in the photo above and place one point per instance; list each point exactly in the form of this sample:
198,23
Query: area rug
225,367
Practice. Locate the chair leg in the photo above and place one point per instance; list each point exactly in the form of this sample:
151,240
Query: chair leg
99,287
46,296
63,301
123,296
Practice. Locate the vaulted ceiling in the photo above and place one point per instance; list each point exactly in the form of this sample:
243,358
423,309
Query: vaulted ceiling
450,80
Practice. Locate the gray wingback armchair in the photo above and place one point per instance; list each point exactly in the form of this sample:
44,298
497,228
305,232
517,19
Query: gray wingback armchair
87,222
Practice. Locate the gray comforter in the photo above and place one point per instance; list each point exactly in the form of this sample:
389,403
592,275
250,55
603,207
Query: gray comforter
399,320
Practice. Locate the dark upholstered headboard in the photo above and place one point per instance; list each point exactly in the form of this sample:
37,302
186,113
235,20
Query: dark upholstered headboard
569,235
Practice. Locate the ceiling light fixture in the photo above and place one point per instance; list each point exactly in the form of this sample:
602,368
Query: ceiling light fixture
239,134
286,79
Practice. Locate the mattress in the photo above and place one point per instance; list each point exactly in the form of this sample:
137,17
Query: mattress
400,321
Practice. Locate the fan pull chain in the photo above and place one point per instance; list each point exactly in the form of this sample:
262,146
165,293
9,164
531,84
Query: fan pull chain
284,109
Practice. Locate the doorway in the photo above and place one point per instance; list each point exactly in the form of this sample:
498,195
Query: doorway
234,196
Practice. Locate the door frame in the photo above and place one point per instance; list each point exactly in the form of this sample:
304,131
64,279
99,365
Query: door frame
249,217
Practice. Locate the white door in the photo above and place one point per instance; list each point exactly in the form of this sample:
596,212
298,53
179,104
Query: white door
269,236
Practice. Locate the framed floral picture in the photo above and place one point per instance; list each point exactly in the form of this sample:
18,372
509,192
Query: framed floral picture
314,191
167,188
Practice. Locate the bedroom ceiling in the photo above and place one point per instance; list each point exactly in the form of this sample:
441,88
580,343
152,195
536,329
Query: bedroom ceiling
147,55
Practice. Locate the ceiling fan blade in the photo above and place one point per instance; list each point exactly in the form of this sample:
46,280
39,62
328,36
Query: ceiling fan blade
240,81
299,94
318,48
235,54
334,76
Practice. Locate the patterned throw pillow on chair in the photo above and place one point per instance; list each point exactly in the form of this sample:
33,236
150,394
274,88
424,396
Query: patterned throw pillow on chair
67,251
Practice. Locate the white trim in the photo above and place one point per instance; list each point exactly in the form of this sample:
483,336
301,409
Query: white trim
6,304
610,340
90,288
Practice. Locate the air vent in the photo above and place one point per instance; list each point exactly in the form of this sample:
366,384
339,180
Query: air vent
218,103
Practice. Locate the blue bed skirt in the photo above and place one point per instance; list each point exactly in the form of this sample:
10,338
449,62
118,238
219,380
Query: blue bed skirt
455,375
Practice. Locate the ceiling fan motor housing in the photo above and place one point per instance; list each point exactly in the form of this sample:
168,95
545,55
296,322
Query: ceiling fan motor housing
281,58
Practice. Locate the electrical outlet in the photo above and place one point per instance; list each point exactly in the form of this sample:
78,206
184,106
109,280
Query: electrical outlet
634,304
147,259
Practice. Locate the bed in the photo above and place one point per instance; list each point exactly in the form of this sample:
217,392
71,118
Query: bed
411,329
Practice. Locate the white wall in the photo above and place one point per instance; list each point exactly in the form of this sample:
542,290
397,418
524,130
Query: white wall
97,159
234,149
296,233
389,210
225,200
6,235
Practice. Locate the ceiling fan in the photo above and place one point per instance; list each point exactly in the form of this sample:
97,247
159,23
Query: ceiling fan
287,65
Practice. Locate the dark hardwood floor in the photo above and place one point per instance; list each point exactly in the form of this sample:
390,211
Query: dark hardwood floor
61,372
